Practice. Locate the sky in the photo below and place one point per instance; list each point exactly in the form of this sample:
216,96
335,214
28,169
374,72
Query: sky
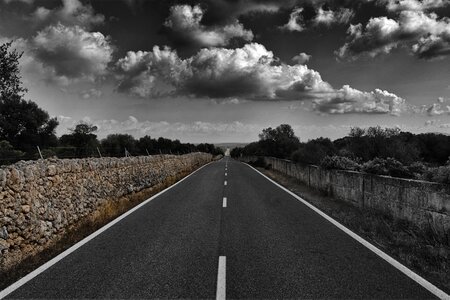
223,70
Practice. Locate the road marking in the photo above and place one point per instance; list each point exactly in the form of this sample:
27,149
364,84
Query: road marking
56,259
224,204
417,278
225,183
226,173
221,278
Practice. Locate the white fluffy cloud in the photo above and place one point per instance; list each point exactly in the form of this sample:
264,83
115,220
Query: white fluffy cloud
72,12
427,36
61,55
415,5
330,17
296,22
350,100
301,58
251,72
325,17
184,21
71,52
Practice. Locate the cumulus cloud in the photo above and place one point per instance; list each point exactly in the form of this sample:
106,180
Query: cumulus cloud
184,21
350,100
72,12
71,52
437,109
330,17
326,17
427,35
415,5
251,72
296,22
301,58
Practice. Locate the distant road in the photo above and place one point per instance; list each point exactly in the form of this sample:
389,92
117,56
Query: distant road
224,231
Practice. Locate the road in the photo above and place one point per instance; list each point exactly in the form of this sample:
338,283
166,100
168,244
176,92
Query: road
270,246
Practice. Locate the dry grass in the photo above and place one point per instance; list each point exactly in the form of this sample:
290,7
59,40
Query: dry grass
422,250
108,211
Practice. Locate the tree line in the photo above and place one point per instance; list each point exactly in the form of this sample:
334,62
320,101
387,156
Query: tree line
24,126
382,151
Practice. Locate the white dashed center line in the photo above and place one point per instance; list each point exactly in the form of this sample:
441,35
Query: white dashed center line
224,202
225,183
221,278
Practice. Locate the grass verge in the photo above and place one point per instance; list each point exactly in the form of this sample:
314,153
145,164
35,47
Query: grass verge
420,250
102,216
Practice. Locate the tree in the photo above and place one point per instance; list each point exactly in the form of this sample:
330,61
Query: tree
82,138
279,142
22,123
115,145
10,80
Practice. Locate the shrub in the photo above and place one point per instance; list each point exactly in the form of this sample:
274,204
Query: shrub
339,163
439,174
388,166
417,168
259,162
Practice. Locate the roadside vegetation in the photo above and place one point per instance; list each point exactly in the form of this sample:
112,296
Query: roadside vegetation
24,127
375,150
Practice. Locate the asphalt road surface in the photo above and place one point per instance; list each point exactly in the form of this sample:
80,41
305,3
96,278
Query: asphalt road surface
270,245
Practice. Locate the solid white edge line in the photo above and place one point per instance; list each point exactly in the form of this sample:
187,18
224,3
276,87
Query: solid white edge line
59,257
224,203
221,278
405,270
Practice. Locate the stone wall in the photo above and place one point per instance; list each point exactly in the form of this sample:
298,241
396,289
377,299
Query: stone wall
421,202
40,200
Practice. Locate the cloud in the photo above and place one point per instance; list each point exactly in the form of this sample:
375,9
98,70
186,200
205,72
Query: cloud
425,34
22,1
70,53
437,109
413,5
330,17
91,93
71,13
350,100
301,58
184,21
296,22
251,72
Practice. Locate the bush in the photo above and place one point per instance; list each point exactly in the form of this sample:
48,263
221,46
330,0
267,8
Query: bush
417,168
388,166
8,154
339,163
260,163
439,174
